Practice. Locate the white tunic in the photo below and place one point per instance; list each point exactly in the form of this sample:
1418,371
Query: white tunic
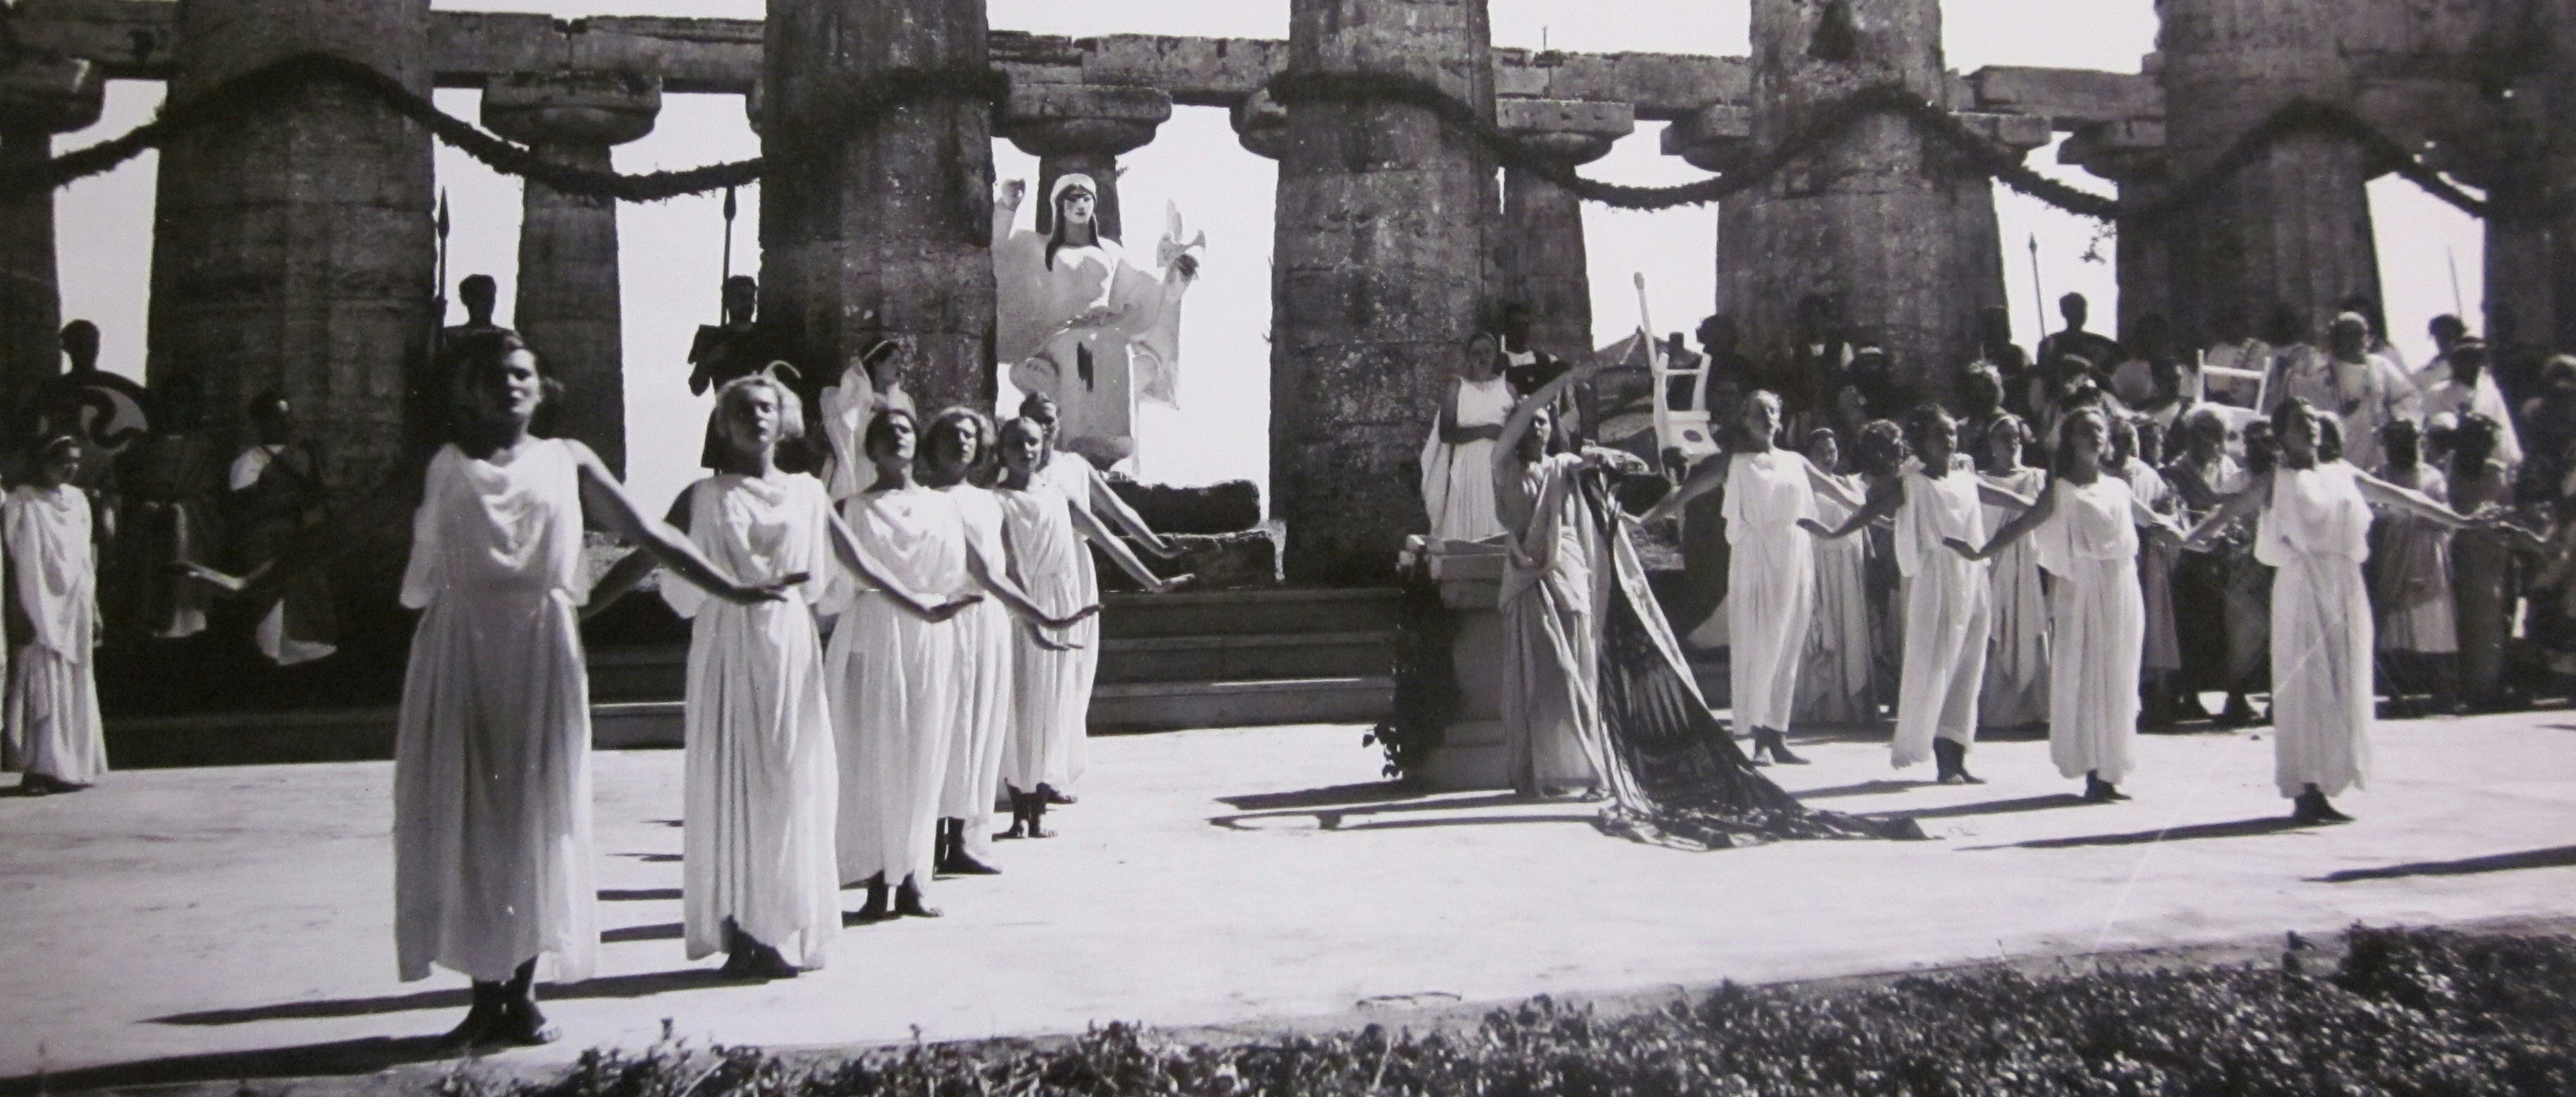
1949,604
53,721
2314,530
1552,633
2098,626
2017,650
893,680
1458,481
1051,683
761,784
984,680
492,818
1770,583
1834,679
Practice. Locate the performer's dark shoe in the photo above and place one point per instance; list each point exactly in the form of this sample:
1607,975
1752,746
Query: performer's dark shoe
2311,809
1049,793
2099,791
479,1020
1951,757
1766,739
907,902
523,1024
1019,817
874,910
961,863
758,962
2238,713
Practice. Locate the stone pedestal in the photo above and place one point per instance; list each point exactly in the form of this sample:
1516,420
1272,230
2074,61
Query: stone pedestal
568,304
1541,251
39,97
2131,153
1379,270
1883,222
293,247
2294,226
1082,129
883,229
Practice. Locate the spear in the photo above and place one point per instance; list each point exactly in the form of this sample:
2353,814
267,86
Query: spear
2038,299
730,209
2457,307
444,225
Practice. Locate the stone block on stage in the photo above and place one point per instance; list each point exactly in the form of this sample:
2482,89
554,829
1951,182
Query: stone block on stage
1474,752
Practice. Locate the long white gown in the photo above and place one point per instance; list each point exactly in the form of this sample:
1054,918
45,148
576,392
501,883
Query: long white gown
986,678
1458,481
1834,687
2098,626
492,818
2017,651
761,788
2315,532
1089,327
53,720
894,682
1051,685
1949,606
1551,634
1770,583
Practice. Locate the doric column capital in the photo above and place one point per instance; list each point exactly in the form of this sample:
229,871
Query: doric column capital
1572,130
598,110
2129,151
50,95
2018,132
1712,137
1261,123
1070,119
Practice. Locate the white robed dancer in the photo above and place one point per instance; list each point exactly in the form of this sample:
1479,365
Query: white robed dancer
1771,568
1079,320
2085,527
871,382
1835,686
492,819
961,447
1095,507
762,790
894,672
2312,528
1949,600
1458,457
2017,655
54,734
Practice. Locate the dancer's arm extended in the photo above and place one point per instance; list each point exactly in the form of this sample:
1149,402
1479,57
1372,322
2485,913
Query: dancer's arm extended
2381,493
606,500
2244,502
1098,534
999,582
2022,523
630,569
855,556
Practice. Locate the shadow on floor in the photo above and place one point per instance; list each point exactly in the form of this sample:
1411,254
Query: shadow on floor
366,1055
641,985
1373,792
2050,802
654,858
638,895
2242,828
1865,788
2555,857
667,931
1335,818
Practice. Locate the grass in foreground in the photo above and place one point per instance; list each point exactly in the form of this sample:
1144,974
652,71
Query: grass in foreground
2404,1012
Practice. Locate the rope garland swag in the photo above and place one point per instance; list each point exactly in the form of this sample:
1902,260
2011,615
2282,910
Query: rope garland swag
892,89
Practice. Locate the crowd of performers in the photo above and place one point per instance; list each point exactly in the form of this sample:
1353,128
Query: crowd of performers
2087,544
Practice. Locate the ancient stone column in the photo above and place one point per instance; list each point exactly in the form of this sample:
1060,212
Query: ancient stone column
1082,129
1884,222
39,97
293,247
2294,226
1541,250
879,226
2131,153
1378,273
568,303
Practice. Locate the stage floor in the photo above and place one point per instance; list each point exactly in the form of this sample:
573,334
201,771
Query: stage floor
215,924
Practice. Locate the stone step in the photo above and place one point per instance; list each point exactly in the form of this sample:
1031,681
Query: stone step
1171,706
333,735
1246,658
1248,612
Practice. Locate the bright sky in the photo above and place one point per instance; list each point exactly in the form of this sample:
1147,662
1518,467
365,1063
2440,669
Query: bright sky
673,251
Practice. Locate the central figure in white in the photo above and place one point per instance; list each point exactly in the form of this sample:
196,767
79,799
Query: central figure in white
1081,323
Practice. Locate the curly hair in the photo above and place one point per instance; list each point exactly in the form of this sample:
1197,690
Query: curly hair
791,411
987,456
1880,449
1923,421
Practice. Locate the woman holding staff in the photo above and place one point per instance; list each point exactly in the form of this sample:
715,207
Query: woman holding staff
2312,527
